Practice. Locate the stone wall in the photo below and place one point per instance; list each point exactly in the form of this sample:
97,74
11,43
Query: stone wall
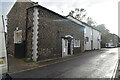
52,27
16,18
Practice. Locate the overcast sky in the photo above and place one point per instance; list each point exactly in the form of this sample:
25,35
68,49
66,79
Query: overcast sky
101,11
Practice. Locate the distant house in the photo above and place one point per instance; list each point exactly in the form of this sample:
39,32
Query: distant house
92,36
113,41
118,41
45,34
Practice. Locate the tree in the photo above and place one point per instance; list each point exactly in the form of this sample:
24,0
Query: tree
105,34
91,22
79,14
101,27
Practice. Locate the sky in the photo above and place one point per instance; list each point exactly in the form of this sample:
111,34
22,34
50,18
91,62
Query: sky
101,11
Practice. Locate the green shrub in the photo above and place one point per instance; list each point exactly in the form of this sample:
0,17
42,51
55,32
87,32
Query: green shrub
27,60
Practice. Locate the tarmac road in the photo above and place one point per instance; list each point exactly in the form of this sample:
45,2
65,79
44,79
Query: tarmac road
92,64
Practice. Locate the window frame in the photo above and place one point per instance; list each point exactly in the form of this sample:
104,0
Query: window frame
76,42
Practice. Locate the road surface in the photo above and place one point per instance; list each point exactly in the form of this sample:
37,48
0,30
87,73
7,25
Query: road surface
92,64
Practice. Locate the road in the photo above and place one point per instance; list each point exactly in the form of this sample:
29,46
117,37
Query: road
92,64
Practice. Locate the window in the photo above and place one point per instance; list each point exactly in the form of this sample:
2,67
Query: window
87,39
85,31
76,43
91,32
98,39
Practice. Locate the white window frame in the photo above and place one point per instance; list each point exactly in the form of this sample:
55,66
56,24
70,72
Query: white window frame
76,43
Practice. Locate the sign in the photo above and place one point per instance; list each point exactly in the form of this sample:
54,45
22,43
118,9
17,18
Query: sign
18,36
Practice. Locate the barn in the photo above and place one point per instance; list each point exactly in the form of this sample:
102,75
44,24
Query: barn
38,33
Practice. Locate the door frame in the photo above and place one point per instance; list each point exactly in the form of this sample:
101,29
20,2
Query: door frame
65,40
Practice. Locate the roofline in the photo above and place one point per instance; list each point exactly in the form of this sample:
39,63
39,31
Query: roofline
83,23
55,13
48,10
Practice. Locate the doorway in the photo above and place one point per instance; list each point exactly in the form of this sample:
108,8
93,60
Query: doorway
67,46
91,44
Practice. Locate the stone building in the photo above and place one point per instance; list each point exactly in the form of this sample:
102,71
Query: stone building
46,34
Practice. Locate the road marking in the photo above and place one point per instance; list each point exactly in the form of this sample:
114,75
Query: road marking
114,72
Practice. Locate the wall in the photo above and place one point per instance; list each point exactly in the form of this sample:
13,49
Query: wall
89,35
16,18
96,42
51,28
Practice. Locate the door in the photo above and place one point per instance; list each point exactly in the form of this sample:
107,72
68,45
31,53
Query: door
64,47
91,44
72,44
98,44
69,48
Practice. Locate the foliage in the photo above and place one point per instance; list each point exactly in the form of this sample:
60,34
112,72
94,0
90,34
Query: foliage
79,14
91,22
106,36
28,60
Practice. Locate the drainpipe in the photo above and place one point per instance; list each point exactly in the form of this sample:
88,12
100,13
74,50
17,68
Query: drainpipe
4,27
92,38
26,30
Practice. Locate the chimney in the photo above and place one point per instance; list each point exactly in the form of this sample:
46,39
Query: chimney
35,3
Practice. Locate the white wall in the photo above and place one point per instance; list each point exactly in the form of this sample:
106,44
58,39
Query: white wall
88,33
96,39
91,33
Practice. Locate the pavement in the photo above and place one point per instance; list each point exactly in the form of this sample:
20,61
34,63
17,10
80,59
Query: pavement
118,68
118,71
18,65
97,64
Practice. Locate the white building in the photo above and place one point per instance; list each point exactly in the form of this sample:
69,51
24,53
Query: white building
92,36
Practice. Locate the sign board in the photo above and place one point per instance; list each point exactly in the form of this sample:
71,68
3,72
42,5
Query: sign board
18,36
